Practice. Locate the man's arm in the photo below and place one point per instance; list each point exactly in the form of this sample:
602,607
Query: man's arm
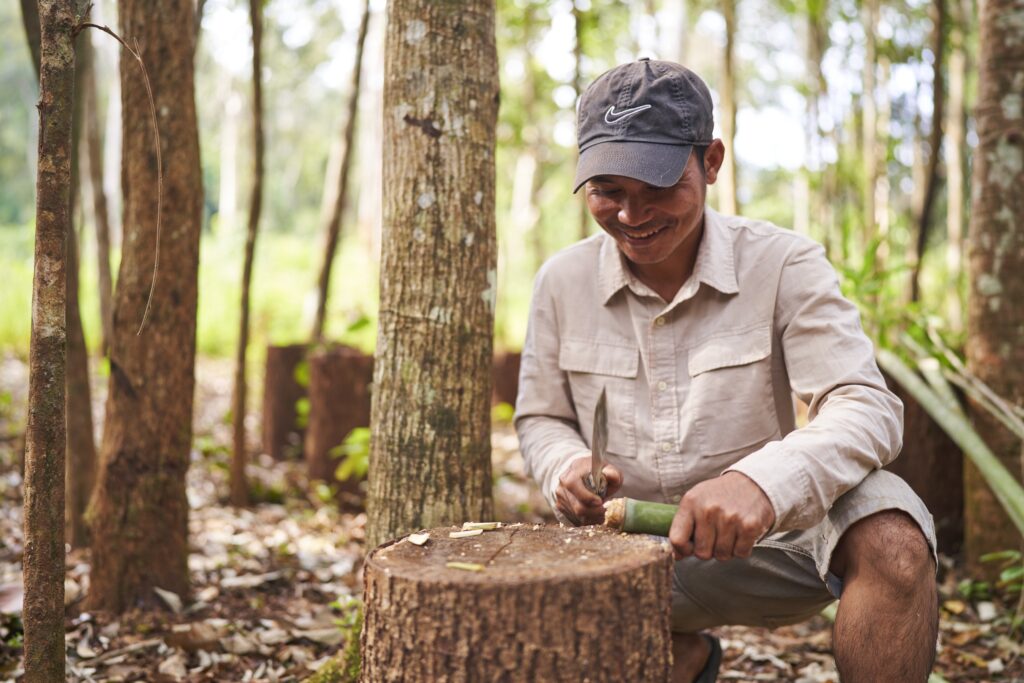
856,423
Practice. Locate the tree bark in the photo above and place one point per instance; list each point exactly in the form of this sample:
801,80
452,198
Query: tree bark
281,393
333,226
934,144
43,563
30,19
728,200
139,512
546,604
239,487
94,155
956,146
995,342
430,456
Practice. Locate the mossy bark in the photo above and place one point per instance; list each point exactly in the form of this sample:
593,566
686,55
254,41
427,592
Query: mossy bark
430,455
43,562
995,345
139,512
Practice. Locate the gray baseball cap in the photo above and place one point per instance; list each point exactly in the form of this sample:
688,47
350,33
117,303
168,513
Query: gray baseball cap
640,120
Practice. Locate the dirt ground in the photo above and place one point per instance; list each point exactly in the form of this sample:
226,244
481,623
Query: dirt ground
274,587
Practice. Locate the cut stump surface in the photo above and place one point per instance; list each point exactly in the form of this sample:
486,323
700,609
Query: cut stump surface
520,603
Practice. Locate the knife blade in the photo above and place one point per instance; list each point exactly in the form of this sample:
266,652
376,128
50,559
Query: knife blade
595,481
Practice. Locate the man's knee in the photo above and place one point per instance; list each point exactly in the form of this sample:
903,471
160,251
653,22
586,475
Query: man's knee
887,546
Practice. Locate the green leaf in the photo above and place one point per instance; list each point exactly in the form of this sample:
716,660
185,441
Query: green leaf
1002,556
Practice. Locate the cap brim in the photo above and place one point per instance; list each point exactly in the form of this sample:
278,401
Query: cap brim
653,163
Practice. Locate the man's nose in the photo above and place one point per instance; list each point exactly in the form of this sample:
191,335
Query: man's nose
633,212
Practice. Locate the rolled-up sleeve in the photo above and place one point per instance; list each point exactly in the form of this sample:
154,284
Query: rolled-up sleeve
545,419
855,423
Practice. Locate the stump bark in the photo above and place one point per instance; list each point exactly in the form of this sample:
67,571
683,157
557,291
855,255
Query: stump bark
549,604
281,392
339,401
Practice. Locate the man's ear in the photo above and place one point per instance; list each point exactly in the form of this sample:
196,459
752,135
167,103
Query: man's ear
714,155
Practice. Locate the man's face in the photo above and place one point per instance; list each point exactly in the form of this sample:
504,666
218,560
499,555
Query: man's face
650,224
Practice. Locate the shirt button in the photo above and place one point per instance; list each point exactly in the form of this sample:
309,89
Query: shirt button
662,386
659,321
666,447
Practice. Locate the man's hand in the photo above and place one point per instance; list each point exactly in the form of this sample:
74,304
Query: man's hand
576,501
721,518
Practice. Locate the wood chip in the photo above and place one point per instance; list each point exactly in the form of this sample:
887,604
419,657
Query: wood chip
465,566
418,539
465,534
483,526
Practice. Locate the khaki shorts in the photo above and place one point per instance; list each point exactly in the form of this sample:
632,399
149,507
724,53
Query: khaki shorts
787,579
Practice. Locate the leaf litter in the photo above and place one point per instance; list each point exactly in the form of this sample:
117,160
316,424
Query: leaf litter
273,587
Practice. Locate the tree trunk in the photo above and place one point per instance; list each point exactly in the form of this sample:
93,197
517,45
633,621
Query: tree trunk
333,226
80,461
869,112
239,487
281,393
43,562
139,512
728,201
543,604
94,156
30,19
934,144
956,145
431,451
339,401
995,342
577,84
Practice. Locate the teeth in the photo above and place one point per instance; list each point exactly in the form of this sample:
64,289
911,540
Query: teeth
645,235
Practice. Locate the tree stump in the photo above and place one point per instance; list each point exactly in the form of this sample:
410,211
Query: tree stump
339,401
505,377
281,392
549,604
933,466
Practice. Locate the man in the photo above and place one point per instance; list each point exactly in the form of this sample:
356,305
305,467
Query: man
701,327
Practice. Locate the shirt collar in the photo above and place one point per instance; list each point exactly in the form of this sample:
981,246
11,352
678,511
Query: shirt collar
715,265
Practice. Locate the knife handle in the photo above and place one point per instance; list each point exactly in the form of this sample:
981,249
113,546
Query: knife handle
600,487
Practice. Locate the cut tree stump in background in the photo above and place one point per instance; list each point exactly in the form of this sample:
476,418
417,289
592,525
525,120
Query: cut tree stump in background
505,377
933,466
339,401
281,393
549,604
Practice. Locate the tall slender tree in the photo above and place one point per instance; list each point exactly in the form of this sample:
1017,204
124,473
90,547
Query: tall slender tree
869,12
728,200
577,85
955,149
239,486
332,226
139,512
430,448
995,342
43,562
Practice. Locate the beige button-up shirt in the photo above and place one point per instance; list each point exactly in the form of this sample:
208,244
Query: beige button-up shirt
704,384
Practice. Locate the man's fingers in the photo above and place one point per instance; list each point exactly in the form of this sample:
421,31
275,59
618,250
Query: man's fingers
614,478
744,546
681,533
725,542
703,539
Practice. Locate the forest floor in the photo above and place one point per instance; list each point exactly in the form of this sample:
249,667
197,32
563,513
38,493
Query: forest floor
274,587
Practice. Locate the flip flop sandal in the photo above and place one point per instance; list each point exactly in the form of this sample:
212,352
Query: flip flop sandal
709,674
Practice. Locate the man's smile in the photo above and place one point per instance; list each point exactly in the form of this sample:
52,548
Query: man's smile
641,236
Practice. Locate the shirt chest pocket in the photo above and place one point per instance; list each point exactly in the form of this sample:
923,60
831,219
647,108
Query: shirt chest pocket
731,395
592,366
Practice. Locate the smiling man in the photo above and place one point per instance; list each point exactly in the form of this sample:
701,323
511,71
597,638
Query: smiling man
701,328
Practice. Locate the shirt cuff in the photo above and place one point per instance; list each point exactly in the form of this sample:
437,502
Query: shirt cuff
778,476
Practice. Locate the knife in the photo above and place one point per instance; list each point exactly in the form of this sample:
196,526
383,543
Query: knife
595,481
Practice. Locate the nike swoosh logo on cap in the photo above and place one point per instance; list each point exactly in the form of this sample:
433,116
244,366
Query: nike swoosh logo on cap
611,116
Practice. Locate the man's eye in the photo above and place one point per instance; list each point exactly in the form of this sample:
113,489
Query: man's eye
605,191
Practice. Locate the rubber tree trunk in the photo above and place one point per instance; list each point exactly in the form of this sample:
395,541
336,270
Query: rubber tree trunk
728,200
332,229
139,512
534,604
239,455
92,122
924,218
955,148
282,391
30,20
995,342
431,455
869,117
43,562
577,84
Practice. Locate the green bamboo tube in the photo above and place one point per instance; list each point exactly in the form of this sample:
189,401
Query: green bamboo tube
639,516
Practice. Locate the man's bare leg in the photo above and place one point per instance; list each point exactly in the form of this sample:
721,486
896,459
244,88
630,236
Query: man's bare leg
887,623
690,652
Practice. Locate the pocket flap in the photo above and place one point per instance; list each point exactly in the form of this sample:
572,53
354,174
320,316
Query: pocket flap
731,349
599,358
